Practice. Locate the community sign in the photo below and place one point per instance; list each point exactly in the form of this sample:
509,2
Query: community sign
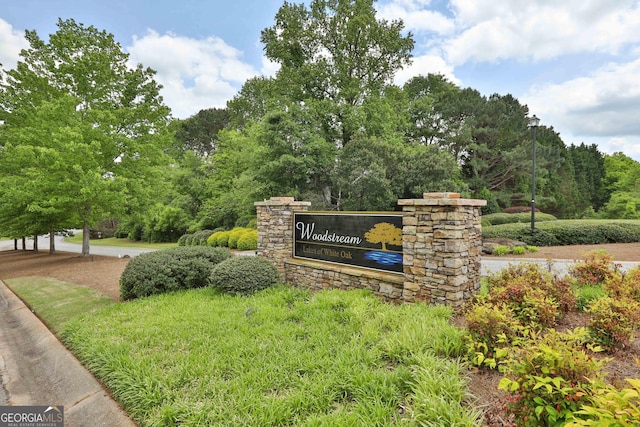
368,240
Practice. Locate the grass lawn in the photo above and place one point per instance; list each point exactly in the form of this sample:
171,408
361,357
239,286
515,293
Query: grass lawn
280,357
55,301
125,243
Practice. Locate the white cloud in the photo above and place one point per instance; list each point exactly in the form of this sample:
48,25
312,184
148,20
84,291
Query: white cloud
196,74
269,68
423,65
602,107
416,17
11,43
490,31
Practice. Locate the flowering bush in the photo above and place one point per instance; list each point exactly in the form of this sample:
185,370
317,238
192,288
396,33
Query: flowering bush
596,268
613,321
550,379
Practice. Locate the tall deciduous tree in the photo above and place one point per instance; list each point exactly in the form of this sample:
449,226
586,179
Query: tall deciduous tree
335,51
97,126
199,133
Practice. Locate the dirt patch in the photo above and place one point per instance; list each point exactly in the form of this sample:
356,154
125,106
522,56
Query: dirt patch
619,251
97,272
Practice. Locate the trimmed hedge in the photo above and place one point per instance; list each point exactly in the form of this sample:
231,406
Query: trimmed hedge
568,232
232,239
510,218
200,237
248,241
244,274
167,270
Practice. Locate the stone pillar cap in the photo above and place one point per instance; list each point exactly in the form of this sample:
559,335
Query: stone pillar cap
275,201
441,195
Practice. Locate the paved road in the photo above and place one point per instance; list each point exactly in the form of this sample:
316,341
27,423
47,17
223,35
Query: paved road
489,265
62,246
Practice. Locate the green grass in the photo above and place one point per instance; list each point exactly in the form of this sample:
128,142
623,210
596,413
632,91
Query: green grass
125,243
282,357
56,302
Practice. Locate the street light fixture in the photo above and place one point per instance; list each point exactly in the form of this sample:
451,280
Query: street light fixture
533,124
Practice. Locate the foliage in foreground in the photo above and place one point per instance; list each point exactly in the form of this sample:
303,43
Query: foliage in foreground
279,357
612,407
169,270
552,378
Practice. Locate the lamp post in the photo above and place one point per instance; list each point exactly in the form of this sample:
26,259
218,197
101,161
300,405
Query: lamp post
533,124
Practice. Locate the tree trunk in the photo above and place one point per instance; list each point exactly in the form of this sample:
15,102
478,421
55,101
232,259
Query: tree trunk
15,244
52,240
24,243
85,239
35,243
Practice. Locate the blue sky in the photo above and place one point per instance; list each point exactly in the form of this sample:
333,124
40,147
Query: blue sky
575,63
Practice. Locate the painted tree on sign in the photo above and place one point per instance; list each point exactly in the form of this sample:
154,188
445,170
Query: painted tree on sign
384,233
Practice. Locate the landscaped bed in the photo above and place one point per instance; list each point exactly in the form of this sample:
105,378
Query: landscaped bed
280,357
151,338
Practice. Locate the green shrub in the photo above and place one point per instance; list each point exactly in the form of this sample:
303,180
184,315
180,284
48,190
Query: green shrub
611,407
624,285
519,209
200,237
511,284
169,270
511,218
244,274
532,249
222,238
501,250
183,239
568,232
613,321
211,240
234,236
248,241
188,241
550,379
597,268
518,250
491,329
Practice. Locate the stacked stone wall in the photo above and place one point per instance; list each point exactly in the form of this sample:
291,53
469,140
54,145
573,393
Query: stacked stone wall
442,244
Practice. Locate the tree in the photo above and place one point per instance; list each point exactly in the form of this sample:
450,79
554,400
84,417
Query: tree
372,174
499,157
76,97
622,180
335,51
384,233
199,133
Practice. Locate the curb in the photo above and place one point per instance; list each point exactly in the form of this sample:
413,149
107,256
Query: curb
36,369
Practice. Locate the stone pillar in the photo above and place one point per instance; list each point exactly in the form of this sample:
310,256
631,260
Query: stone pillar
275,228
442,245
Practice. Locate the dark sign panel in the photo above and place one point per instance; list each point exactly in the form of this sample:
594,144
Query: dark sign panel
369,240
